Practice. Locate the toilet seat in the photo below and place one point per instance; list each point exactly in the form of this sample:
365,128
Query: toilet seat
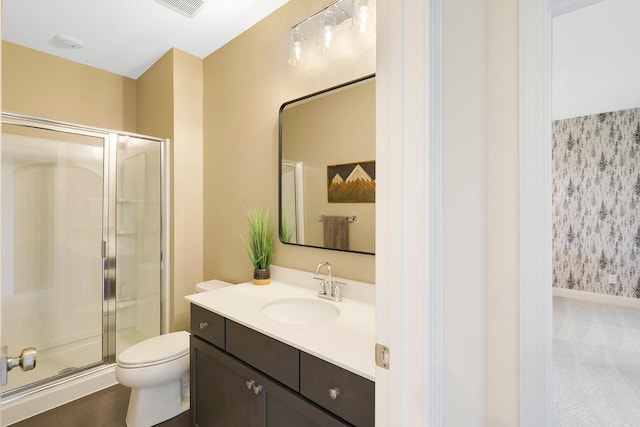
155,351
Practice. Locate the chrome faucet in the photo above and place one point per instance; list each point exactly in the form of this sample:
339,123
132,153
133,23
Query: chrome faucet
328,289
323,284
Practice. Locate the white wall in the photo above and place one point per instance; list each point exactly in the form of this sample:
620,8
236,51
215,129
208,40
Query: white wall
596,57
502,221
480,213
465,212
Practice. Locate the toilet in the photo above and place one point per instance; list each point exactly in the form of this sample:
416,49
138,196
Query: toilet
157,371
211,285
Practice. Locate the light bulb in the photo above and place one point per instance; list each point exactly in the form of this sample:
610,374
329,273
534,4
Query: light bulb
327,26
327,36
296,52
360,21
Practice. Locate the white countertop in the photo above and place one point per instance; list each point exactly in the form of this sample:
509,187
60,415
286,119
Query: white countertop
348,341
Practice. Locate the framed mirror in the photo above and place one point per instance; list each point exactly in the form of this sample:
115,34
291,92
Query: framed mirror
327,168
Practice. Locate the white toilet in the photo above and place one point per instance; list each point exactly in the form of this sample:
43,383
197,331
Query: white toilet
157,370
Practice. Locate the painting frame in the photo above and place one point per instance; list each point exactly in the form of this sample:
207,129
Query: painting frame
352,182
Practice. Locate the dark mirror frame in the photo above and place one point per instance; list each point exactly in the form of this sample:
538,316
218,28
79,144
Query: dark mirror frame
280,124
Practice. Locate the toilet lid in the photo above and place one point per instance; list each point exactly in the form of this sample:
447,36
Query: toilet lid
160,349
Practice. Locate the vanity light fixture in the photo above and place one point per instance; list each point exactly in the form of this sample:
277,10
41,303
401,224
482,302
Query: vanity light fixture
327,24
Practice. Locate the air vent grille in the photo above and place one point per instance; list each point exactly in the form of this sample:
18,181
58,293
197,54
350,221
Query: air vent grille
186,7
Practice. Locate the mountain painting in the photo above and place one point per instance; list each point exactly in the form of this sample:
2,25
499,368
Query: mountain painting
352,182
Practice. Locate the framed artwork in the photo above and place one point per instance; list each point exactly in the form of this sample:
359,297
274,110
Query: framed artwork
352,182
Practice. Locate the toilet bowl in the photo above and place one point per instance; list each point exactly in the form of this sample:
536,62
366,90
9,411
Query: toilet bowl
157,370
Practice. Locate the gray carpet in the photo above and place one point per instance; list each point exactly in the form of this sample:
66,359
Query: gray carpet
596,364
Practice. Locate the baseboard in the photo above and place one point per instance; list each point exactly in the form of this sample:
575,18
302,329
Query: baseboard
599,298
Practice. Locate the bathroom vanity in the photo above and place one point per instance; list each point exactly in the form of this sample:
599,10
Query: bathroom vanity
277,355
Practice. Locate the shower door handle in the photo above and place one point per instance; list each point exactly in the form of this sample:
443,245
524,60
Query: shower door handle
26,360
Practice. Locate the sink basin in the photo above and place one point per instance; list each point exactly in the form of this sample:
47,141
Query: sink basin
300,311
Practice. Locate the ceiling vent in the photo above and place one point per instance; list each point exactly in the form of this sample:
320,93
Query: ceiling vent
186,7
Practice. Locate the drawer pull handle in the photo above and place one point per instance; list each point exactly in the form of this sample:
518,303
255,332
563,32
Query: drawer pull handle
257,389
250,384
334,393
203,325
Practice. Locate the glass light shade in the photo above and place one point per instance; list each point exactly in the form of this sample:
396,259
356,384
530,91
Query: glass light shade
326,37
296,50
361,17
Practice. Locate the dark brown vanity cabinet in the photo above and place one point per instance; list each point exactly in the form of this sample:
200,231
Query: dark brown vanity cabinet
229,393
249,379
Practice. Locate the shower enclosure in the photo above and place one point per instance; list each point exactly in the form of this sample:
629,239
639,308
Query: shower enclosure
82,236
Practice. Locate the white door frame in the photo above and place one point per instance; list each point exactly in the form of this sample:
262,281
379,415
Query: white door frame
536,334
409,176
536,401
298,172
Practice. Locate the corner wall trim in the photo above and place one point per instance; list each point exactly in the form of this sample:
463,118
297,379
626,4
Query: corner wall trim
536,403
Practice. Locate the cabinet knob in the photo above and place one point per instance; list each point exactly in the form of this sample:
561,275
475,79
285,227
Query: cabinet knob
257,389
250,384
203,325
334,392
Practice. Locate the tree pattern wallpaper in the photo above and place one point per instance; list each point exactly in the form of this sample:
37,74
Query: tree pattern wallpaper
596,202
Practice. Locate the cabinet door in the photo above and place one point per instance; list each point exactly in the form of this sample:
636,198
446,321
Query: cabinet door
355,398
219,392
226,392
285,408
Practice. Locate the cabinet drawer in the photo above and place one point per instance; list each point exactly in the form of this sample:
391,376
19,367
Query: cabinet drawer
276,359
207,325
355,401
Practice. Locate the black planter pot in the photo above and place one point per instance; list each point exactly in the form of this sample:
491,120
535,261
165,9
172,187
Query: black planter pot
261,276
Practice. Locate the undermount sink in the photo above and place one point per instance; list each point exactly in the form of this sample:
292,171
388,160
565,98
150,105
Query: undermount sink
300,311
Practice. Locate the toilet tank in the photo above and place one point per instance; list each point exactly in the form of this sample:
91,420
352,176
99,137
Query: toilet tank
211,285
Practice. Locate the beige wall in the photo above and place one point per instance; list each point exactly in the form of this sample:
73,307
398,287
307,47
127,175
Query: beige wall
170,106
42,85
187,182
166,101
155,98
334,129
245,82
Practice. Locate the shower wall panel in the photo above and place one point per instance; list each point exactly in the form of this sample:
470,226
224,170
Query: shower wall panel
52,260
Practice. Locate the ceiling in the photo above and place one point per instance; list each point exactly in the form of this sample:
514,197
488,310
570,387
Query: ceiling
126,37
596,56
596,59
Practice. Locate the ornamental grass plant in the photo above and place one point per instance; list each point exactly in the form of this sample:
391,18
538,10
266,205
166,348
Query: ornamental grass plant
259,246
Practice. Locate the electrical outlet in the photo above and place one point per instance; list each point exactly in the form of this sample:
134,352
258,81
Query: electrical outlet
613,279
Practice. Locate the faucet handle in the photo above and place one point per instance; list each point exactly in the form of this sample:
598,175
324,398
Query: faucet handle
323,285
337,291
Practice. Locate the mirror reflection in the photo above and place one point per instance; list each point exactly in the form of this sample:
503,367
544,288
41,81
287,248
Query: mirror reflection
327,168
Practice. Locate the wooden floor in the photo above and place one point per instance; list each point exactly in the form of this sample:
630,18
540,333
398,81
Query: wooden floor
106,408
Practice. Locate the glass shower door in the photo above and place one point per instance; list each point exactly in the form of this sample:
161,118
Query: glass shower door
52,242
138,240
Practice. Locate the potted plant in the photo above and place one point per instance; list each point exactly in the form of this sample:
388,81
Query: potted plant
259,246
